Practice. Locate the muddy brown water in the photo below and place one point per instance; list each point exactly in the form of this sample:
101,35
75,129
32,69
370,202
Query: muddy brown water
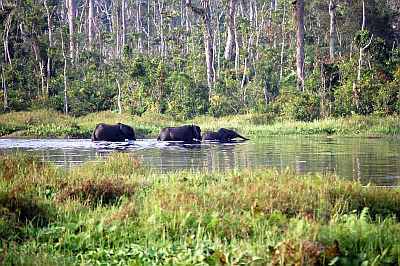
371,160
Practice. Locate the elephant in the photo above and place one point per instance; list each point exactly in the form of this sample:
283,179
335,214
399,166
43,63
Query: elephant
118,132
223,135
186,133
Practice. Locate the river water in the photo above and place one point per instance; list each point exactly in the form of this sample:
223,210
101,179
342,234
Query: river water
370,160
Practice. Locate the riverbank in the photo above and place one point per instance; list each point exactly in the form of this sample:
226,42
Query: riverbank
48,124
122,213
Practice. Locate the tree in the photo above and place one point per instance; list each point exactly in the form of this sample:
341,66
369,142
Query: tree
91,22
299,17
332,29
231,26
71,23
205,13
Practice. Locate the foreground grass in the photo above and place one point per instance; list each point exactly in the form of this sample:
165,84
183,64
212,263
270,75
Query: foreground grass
255,126
121,213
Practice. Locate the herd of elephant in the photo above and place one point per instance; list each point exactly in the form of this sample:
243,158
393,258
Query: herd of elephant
186,133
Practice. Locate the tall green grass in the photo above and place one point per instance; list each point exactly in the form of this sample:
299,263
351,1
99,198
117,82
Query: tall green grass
119,212
254,126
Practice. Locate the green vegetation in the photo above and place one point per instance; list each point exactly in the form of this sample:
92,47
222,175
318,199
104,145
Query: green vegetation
54,59
255,126
121,213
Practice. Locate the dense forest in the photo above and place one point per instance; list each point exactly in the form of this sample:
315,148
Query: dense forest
299,60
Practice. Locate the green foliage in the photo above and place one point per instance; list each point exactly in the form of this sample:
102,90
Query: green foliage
302,106
246,217
186,99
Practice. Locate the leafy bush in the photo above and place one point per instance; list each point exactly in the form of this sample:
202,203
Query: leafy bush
302,106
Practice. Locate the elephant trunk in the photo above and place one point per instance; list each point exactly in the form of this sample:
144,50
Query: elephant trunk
239,136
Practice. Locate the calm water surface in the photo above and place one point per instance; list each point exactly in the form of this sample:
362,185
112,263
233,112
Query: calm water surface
375,160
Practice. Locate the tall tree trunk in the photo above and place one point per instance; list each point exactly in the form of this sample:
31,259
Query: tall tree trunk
49,26
139,24
361,52
205,13
231,25
360,61
71,23
91,21
4,87
65,76
119,96
7,57
299,15
161,11
148,26
123,22
332,29
116,28
283,42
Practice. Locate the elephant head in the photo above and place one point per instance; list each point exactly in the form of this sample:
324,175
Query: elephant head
196,132
127,131
226,135
223,135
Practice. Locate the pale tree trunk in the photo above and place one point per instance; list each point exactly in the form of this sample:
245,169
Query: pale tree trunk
283,43
42,78
7,57
148,26
123,22
299,15
83,21
65,76
205,13
237,53
71,23
119,96
361,53
231,26
91,19
161,11
116,28
4,87
218,50
139,25
35,48
209,48
332,29
49,26
356,91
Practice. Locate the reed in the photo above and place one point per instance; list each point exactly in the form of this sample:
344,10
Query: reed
119,212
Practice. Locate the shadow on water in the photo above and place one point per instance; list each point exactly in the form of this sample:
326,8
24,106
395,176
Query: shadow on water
368,160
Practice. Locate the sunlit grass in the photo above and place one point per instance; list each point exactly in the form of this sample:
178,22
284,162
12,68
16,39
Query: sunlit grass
119,212
254,126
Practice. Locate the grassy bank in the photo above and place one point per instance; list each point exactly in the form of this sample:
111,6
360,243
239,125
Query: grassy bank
121,213
50,124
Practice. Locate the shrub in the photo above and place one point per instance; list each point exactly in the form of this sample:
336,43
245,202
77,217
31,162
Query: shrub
93,192
302,106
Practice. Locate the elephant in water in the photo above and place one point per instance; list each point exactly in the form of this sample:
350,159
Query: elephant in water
222,135
186,133
118,132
